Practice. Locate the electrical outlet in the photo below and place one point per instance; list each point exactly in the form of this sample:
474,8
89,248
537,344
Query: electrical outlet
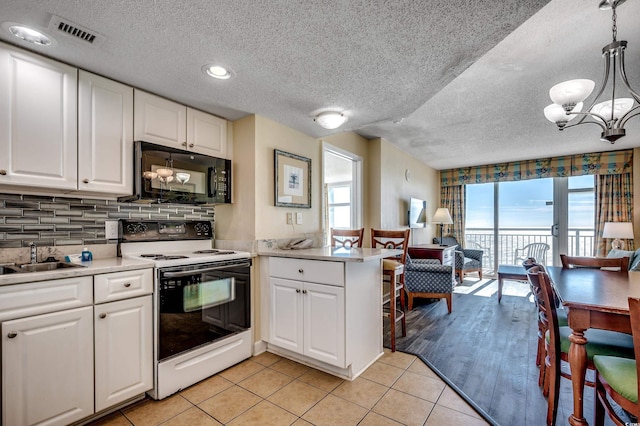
289,218
111,229
298,218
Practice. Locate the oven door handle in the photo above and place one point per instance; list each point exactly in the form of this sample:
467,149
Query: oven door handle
200,271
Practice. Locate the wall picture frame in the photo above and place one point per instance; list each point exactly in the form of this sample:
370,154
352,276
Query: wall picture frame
292,180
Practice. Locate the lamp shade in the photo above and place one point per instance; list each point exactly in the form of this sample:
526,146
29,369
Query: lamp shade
556,114
442,216
571,92
620,108
618,230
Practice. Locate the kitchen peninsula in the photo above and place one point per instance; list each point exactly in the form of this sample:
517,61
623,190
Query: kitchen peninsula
322,306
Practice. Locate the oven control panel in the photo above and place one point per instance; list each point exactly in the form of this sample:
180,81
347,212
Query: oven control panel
165,230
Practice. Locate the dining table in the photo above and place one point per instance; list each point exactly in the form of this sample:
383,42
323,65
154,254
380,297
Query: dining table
594,298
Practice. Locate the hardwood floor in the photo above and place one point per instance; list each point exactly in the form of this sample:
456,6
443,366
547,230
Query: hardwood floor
487,351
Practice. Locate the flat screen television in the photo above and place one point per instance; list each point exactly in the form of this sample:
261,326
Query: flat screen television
417,213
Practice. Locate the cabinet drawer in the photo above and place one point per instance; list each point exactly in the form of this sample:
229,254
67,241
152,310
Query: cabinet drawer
22,300
122,285
315,271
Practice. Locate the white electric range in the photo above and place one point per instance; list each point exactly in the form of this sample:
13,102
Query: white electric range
202,300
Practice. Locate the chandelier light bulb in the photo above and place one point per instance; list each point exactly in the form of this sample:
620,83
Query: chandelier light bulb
556,114
621,107
569,93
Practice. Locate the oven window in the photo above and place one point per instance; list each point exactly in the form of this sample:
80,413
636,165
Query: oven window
208,294
196,308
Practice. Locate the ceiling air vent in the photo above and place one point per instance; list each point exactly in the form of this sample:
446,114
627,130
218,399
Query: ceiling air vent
74,30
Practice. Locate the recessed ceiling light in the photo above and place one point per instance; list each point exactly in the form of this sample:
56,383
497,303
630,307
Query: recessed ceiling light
330,119
217,71
28,34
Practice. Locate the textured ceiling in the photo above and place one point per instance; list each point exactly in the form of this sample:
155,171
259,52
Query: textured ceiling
468,78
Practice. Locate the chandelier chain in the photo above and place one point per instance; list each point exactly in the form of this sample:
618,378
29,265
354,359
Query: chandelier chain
614,18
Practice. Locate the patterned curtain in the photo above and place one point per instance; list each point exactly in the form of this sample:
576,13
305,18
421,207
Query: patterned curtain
452,197
614,203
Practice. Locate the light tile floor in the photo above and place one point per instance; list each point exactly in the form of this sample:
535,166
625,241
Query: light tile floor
270,390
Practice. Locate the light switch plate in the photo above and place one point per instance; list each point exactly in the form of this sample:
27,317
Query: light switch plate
289,218
111,229
298,218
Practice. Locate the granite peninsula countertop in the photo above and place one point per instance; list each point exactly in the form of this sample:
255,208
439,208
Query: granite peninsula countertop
95,267
334,254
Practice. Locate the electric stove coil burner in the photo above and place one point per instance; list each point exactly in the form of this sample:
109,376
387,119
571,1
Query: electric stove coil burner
163,257
213,251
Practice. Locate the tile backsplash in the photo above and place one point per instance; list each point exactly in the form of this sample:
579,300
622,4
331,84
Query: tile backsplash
62,221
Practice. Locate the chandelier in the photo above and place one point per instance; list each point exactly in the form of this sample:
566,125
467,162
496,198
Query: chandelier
611,115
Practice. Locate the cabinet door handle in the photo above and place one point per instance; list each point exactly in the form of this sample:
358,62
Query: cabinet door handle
12,334
304,291
301,270
184,143
3,172
191,145
297,290
85,180
103,315
127,285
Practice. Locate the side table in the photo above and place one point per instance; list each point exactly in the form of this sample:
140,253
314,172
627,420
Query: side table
510,272
445,254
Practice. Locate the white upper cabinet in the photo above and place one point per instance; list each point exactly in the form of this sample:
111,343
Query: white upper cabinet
168,123
206,133
38,121
105,135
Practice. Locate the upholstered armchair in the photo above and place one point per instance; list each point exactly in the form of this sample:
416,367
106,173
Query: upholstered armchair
429,279
467,260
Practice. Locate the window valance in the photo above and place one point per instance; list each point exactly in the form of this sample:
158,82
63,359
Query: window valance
599,163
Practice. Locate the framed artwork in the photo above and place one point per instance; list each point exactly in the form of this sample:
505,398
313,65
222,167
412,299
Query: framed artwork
292,180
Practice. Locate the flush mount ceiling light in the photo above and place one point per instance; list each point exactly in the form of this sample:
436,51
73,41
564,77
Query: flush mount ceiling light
330,119
611,115
28,34
217,71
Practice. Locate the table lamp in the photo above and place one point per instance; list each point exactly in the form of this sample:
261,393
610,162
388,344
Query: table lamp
442,217
618,230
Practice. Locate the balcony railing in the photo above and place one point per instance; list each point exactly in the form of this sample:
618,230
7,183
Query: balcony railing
581,243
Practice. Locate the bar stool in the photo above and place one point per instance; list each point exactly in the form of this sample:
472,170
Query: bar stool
393,272
347,237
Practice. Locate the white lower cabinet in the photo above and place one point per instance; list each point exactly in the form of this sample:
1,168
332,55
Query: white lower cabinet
47,368
123,350
52,350
308,318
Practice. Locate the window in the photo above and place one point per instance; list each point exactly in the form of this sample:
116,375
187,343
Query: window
503,218
342,177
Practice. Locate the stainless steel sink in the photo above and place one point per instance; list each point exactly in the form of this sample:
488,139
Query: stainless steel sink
8,269
47,266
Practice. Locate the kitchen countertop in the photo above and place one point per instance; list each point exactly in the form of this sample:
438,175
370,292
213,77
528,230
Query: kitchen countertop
98,266
335,254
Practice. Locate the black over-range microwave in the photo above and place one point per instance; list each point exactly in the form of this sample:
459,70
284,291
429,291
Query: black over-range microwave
169,175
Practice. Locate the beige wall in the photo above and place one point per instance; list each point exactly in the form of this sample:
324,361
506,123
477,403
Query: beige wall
386,192
391,190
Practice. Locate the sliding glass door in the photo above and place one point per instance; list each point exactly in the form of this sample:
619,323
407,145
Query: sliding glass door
539,217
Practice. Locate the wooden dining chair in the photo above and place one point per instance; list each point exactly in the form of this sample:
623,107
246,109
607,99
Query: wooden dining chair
619,378
347,237
599,342
595,262
393,273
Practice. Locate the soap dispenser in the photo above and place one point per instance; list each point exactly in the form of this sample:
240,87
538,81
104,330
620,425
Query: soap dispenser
86,255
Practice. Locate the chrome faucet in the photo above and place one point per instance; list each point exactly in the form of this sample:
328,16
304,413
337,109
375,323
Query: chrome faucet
34,252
